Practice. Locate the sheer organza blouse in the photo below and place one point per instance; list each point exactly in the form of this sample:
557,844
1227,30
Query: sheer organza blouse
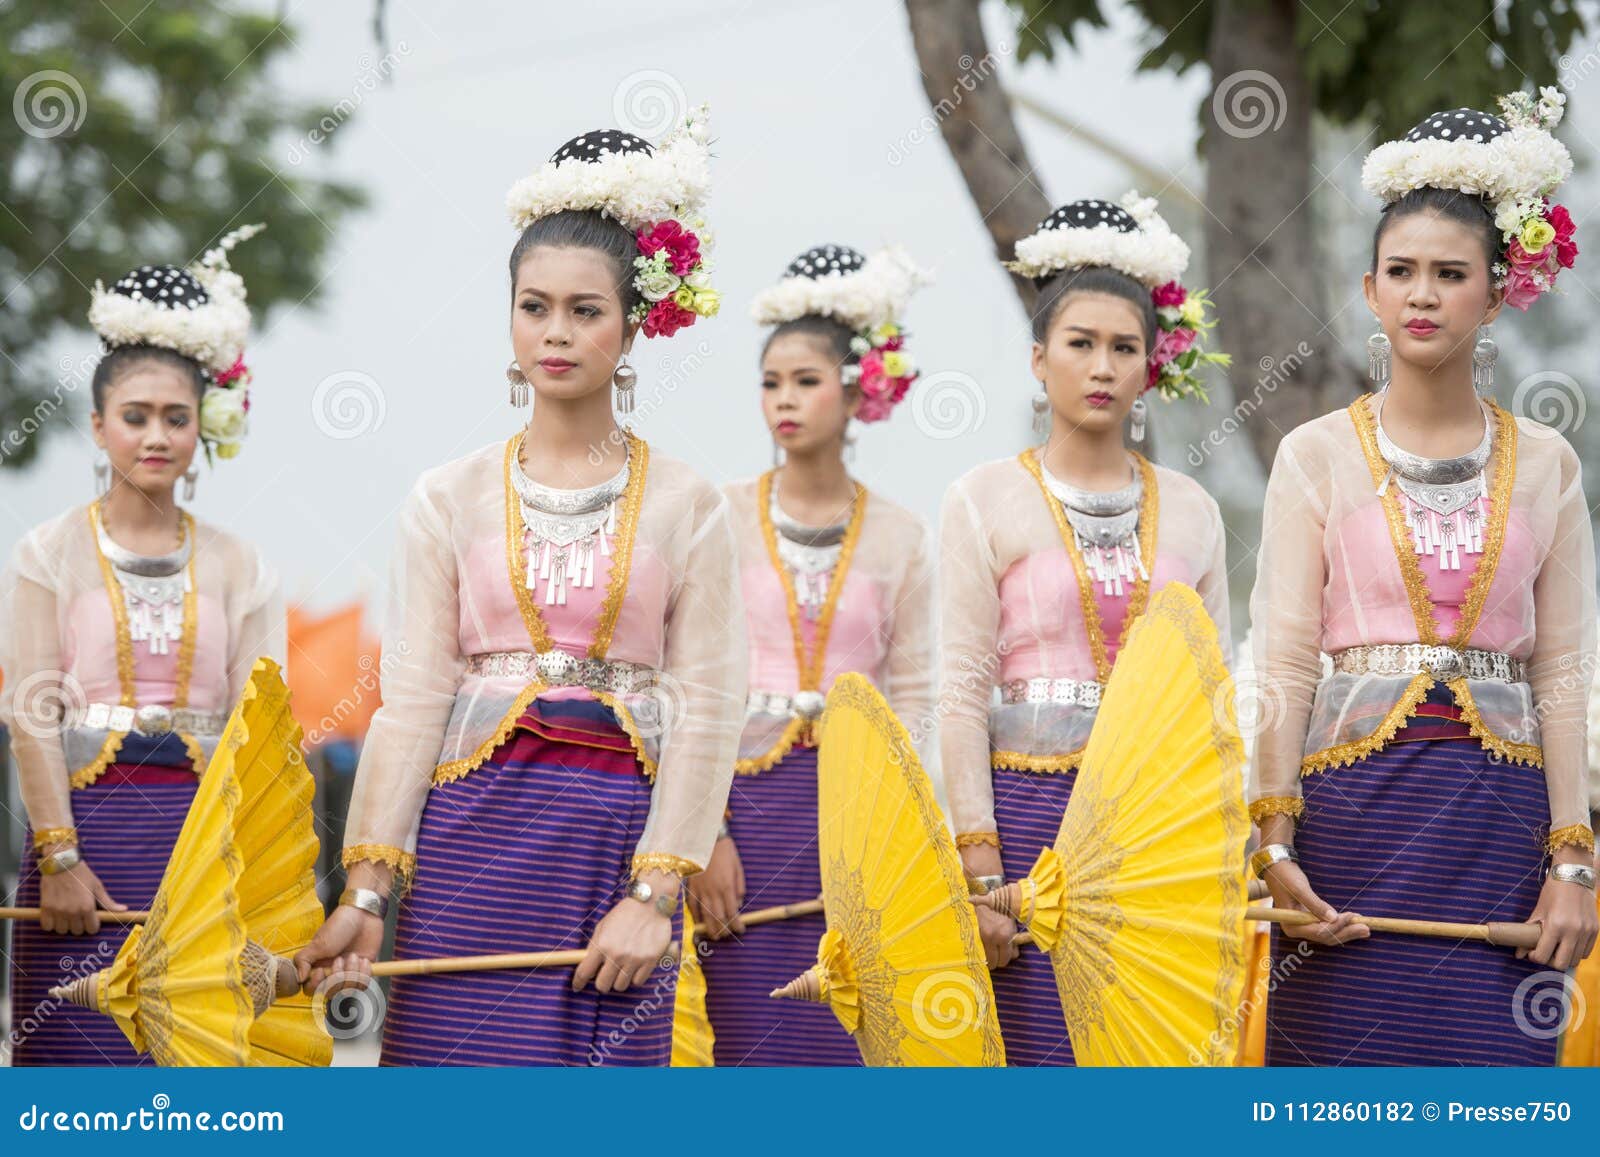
1012,608
1337,570
667,598
59,646
883,624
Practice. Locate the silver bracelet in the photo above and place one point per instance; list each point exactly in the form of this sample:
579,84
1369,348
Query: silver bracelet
367,900
987,884
57,862
1269,855
1580,874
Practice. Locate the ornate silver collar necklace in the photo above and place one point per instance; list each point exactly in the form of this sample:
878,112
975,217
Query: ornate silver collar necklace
552,500
1441,495
1106,526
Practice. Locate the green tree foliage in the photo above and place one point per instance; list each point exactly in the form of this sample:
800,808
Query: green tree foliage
1383,61
140,133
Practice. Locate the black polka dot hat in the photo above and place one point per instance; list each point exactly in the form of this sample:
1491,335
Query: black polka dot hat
199,311
842,283
1129,236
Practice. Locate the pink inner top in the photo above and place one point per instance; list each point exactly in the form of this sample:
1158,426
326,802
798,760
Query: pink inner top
1042,632
89,650
1366,599
491,620
858,638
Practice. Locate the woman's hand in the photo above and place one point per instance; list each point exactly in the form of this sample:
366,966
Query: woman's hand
717,894
630,941
71,901
343,949
1567,913
996,932
1292,890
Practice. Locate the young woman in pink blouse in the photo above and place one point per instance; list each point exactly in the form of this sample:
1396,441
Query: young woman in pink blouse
835,578
1048,557
129,630
1439,552
564,667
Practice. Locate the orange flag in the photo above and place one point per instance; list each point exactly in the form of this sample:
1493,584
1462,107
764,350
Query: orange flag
332,673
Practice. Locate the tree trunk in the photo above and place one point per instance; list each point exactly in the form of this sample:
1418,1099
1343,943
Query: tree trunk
1269,285
962,80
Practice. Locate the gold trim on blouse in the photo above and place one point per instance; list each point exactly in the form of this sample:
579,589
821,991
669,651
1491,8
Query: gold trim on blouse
1138,596
403,863
93,770
631,500
1503,468
1573,835
662,862
808,664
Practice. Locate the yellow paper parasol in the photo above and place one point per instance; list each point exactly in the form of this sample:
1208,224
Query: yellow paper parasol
195,985
1141,903
901,963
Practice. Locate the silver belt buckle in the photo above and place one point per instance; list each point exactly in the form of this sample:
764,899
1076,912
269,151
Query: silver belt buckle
1444,662
555,666
809,704
152,720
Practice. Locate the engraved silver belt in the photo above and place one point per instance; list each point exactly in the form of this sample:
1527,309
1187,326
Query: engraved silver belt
559,669
799,705
1439,661
152,719
1044,689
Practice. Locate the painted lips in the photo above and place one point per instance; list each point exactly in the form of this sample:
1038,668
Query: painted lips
1099,398
556,365
1421,327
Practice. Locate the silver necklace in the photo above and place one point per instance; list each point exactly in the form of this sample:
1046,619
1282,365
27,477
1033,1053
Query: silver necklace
153,590
809,552
1441,497
1105,524
565,530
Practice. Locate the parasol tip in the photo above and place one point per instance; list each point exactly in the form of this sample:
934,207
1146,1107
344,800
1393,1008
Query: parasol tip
83,992
802,987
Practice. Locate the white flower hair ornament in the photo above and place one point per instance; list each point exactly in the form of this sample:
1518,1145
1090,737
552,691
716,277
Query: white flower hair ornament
1512,162
656,192
865,294
1135,240
199,312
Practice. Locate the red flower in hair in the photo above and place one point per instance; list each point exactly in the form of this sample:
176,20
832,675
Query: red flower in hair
667,317
1170,294
682,247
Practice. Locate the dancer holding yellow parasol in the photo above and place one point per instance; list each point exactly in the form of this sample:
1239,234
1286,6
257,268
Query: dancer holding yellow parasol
1440,550
127,631
835,578
1047,559
564,670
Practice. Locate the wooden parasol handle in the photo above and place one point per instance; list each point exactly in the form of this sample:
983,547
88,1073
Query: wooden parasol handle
1495,932
428,966
105,917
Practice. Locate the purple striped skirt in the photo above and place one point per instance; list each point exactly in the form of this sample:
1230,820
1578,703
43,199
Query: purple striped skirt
127,822
1028,807
1432,829
774,825
524,854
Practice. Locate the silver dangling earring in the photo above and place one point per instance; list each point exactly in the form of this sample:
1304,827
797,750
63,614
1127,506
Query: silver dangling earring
1378,359
1138,413
102,472
850,440
1484,354
518,382
189,477
1041,413
624,377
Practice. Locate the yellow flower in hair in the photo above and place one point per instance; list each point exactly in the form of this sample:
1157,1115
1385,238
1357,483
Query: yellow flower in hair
227,449
684,296
896,364
1536,234
706,302
1193,311
884,332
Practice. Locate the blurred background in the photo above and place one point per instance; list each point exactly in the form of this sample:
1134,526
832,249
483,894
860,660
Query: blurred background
377,139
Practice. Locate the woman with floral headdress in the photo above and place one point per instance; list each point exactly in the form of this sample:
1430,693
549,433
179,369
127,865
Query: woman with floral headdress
1047,558
564,666
1440,551
130,629
836,578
